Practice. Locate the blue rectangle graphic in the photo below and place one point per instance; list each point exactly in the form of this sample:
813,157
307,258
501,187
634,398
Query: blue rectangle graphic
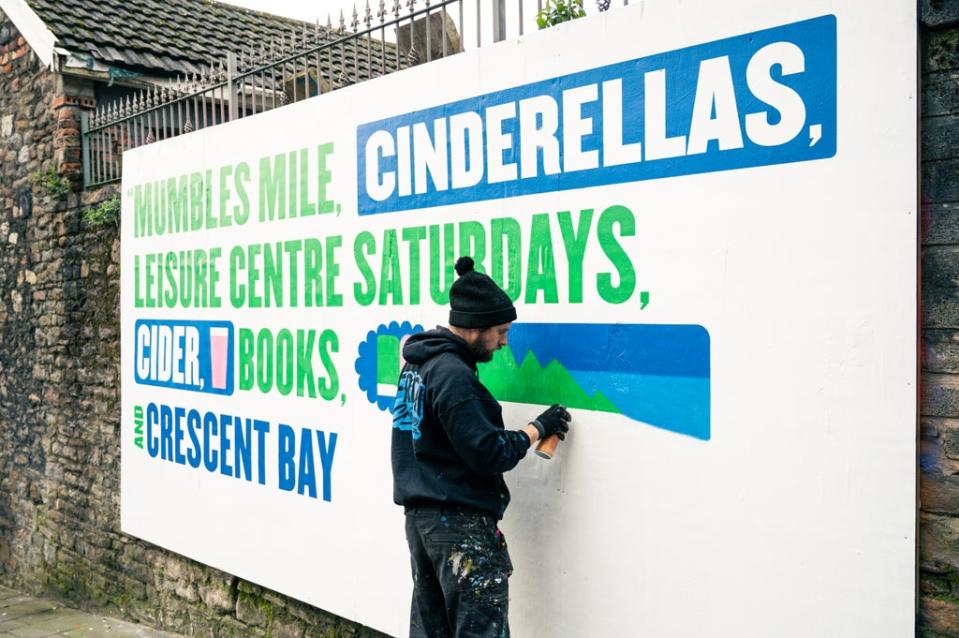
654,373
185,355
762,98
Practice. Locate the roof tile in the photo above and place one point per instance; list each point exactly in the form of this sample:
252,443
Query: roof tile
173,35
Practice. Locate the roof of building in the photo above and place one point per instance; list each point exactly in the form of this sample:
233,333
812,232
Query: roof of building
169,36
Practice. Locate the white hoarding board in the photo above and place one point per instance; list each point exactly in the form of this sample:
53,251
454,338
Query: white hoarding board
707,217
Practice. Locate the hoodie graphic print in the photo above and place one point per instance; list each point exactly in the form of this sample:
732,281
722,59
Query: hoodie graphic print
449,446
408,406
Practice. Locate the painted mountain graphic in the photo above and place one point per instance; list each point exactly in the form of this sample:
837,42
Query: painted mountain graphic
532,383
658,374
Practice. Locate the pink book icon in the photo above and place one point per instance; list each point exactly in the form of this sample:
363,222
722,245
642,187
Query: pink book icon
219,341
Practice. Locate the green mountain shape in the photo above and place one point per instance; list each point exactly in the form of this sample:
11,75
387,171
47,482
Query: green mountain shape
532,383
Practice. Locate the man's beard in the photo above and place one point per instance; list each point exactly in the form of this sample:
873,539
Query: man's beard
481,354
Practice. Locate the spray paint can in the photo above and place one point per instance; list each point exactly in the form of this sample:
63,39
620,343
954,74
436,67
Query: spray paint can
547,447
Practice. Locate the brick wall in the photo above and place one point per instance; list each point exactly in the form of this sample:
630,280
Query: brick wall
59,395
939,422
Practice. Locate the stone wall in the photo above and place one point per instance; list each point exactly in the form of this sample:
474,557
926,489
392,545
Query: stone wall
59,394
939,422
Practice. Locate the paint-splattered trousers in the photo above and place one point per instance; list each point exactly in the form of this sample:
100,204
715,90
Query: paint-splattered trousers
461,569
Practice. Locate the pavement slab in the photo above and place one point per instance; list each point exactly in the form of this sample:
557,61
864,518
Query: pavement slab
23,616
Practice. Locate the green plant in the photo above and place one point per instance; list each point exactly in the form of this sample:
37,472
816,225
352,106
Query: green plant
106,212
557,11
51,183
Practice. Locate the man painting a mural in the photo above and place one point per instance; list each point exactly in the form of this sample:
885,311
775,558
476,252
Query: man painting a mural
450,449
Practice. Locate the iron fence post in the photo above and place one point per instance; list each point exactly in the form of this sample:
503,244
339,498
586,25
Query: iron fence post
499,20
85,146
231,74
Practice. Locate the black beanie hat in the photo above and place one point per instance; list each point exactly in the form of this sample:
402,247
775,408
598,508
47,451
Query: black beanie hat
476,301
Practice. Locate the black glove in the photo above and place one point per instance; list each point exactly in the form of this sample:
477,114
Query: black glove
554,421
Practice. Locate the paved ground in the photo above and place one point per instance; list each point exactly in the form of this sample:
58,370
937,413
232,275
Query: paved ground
28,617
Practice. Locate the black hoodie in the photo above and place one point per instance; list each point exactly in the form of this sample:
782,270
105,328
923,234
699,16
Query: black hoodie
450,447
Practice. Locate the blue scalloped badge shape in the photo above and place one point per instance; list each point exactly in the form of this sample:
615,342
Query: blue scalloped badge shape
379,360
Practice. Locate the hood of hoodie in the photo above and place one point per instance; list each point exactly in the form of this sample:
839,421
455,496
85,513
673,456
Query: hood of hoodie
423,346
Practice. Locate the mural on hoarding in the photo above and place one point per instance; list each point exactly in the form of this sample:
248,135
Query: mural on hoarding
655,374
673,197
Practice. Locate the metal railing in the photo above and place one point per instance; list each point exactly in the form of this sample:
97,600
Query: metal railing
309,63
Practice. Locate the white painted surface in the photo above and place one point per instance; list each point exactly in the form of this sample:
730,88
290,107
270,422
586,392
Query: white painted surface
795,519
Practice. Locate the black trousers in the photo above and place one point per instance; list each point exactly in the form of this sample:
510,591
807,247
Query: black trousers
461,569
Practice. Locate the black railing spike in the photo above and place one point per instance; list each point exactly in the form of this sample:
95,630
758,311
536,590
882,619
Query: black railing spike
381,13
396,9
355,24
369,15
342,22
